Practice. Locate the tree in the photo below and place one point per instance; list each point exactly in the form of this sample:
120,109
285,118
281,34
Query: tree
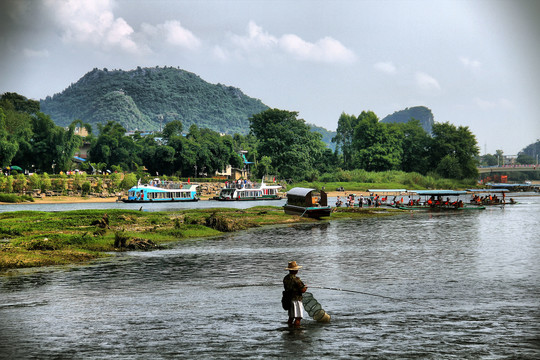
458,148
288,141
377,146
20,103
344,138
415,146
525,159
173,128
113,147
8,148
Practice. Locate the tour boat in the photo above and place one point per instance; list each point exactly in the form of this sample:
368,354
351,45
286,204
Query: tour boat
247,191
158,191
306,202
437,200
488,197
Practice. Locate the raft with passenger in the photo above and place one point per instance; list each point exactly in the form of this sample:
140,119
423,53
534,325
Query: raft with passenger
437,200
490,197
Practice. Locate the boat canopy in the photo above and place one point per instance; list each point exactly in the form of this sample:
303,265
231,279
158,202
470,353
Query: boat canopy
488,190
387,190
438,192
299,191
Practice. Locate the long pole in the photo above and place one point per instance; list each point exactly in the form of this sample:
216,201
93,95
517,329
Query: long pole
370,294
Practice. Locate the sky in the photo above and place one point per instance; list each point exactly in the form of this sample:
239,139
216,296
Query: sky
473,63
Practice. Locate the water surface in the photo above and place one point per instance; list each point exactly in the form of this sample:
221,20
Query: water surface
463,285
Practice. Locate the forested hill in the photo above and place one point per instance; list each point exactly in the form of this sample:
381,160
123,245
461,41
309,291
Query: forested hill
420,113
147,98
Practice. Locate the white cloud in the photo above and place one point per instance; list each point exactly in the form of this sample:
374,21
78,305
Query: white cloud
501,103
256,38
326,49
426,82
30,53
92,22
386,67
469,63
174,34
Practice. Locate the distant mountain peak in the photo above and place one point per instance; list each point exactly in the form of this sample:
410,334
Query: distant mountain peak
420,113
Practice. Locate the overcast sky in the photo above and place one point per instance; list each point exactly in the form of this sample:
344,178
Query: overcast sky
473,63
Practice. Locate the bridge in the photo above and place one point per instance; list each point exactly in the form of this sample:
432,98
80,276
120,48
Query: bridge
507,168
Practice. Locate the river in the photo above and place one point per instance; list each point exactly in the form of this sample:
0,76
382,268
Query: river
439,286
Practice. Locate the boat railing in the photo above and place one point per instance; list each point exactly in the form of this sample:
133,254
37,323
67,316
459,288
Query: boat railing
170,185
235,185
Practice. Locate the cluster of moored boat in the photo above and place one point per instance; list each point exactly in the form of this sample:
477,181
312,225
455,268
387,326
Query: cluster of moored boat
163,191
433,200
312,203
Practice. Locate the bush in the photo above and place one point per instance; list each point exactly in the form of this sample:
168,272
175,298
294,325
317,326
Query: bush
86,187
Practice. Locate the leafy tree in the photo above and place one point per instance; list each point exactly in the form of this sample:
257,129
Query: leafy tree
525,159
20,103
173,128
344,138
8,148
378,146
288,141
114,148
489,160
415,146
458,148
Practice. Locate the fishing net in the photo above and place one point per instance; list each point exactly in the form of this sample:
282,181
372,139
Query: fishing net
314,309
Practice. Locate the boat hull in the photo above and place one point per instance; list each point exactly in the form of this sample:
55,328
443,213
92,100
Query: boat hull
315,212
252,198
440,208
159,200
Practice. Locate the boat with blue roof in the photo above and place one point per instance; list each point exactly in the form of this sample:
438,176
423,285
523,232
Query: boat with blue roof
162,191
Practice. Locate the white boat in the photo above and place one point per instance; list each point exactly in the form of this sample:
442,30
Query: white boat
246,192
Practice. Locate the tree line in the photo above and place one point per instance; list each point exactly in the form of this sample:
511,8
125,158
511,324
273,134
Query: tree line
279,143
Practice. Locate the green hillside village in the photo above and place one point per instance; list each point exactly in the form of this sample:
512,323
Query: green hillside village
116,130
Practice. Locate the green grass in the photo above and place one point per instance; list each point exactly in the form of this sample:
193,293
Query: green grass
35,238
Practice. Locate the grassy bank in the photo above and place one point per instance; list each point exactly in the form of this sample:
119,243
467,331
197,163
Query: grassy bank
34,238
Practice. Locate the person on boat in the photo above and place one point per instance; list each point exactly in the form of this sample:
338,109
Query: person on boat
338,201
294,288
361,201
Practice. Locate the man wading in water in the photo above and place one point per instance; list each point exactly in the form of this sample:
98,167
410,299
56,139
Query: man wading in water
294,287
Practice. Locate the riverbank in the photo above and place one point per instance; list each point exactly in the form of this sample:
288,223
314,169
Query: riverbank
35,238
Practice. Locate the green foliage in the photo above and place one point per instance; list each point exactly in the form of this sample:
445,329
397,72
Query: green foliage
86,187
378,145
294,149
146,98
525,159
129,181
453,151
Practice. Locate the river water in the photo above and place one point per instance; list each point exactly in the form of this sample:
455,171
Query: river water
448,286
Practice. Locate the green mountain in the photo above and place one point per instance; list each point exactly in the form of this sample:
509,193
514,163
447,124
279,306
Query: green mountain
420,113
327,135
148,98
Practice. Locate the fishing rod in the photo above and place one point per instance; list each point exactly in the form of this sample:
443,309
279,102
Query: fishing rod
370,294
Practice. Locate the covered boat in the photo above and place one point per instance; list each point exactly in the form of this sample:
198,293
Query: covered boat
437,200
243,192
489,197
158,191
307,202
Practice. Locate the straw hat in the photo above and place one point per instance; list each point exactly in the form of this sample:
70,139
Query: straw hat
293,266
